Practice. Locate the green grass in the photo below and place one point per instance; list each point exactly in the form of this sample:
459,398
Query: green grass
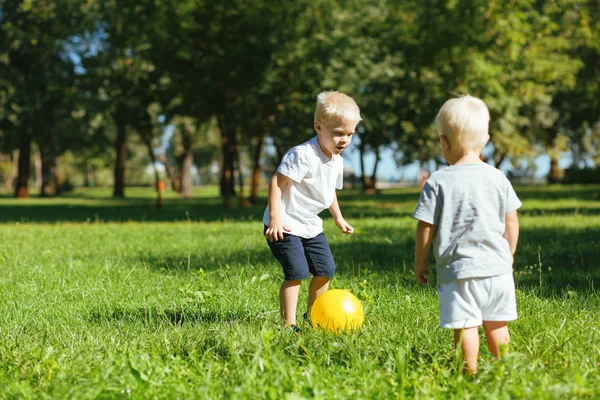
114,298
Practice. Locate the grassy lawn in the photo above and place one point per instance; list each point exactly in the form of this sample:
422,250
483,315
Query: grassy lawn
114,298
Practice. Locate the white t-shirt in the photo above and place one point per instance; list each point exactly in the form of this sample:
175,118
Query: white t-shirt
313,180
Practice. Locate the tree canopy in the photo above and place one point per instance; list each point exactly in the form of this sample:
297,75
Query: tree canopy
96,78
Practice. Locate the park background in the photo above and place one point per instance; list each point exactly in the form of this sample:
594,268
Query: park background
136,141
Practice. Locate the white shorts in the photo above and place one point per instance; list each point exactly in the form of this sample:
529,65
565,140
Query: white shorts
466,303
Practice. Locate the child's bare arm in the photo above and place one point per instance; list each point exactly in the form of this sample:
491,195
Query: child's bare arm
336,213
511,233
276,228
425,234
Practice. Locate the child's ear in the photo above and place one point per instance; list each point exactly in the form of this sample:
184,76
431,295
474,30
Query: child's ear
318,126
445,142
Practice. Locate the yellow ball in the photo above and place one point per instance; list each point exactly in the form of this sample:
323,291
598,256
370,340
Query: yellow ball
337,310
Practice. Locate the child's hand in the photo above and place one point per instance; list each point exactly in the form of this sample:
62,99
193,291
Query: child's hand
344,226
421,270
275,231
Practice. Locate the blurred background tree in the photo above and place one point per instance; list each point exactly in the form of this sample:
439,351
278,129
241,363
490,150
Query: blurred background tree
101,92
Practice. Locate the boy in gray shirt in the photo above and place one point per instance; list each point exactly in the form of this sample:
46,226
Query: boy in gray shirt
468,213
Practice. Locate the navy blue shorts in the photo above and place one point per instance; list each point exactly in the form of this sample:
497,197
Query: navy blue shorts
302,257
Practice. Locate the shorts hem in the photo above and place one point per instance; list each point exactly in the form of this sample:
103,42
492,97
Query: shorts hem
472,323
304,277
505,318
323,276
293,278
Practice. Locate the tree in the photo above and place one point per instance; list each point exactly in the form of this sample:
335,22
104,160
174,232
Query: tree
511,55
578,119
370,62
123,74
39,72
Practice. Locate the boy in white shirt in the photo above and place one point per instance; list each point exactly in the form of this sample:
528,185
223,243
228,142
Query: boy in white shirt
468,212
303,186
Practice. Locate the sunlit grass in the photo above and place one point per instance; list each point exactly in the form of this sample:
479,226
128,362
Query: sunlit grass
183,303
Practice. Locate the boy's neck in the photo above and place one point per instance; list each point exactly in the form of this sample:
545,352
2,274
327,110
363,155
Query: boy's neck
470,157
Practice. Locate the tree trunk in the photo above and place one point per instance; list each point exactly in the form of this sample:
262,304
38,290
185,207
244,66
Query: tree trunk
374,175
499,158
48,162
6,170
158,183
39,174
57,180
24,166
256,170
90,174
121,149
47,148
363,175
47,169
178,178
368,183
14,170
280,151
186,164
4,161
227,160
171,175
238,162
555,174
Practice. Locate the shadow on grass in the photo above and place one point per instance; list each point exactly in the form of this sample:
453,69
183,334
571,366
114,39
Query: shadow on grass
569,256
557,192
79,207
213,261
203,341
124,210
90,206
153,316
560,211
563,258
558,260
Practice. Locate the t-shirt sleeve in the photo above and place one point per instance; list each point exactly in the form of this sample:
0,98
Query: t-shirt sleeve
339,182
294,164
512,200
429,205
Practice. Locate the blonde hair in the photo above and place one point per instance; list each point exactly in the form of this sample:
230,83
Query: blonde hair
334,104
465,122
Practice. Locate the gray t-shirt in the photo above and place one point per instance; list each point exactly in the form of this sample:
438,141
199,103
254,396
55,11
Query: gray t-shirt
468,204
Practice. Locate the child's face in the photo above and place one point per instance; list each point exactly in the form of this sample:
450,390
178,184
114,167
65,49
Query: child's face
335,136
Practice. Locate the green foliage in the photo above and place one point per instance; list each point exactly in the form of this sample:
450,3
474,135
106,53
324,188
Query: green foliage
75,72
37,70
578,106
582,176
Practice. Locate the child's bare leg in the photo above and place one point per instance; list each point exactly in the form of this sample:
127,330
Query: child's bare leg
288,301
318,286
469,343
497,336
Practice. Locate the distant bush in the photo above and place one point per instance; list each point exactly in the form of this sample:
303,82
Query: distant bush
67,186
584,175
